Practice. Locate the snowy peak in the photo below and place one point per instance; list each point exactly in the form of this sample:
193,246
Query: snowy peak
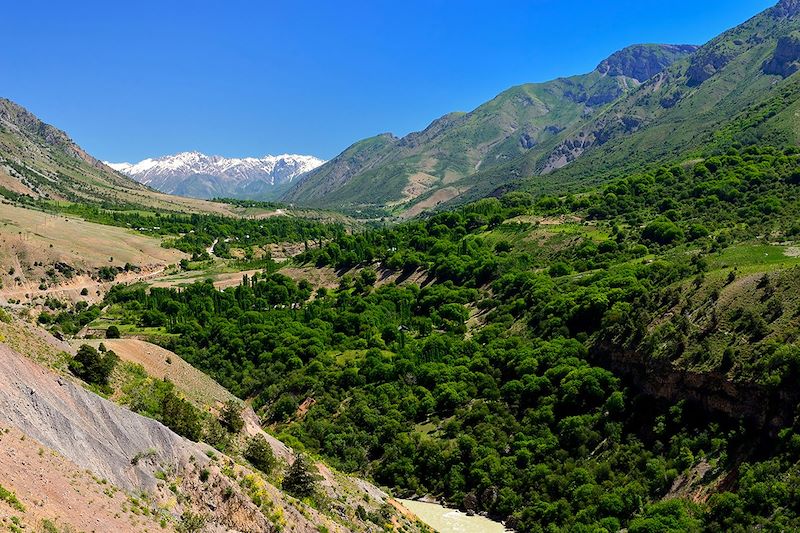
203,176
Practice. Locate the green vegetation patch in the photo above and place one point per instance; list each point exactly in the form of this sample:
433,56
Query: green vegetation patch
11,499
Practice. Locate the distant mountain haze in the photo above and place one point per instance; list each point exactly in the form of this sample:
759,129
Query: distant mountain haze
202,176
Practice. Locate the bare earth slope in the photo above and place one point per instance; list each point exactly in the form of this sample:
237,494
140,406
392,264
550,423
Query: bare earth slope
31,242
51,488
164,364
128,450
346,491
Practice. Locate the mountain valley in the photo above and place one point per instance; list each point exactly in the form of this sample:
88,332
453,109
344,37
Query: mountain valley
575,308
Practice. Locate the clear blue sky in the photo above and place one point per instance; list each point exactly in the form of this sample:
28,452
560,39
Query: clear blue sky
135,79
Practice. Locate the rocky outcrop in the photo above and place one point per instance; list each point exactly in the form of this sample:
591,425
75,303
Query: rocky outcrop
643,61
705,64
526,141
786,59
760,405
786,9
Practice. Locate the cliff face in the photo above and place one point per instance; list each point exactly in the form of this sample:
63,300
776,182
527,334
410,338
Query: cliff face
786,9
758,404
786,59
642,62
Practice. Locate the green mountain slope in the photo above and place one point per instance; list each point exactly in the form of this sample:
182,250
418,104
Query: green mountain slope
433,165
40,161
737,88
725,86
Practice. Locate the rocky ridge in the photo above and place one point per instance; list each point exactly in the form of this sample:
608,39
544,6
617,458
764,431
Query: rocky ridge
202,176
786,59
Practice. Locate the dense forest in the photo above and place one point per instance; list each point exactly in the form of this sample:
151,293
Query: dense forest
485,380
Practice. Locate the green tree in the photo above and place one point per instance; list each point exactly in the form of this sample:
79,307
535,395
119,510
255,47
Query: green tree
301,479
92,367
181,417
663,231
259,453
231,416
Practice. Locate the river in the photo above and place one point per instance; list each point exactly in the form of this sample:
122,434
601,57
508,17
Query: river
446,520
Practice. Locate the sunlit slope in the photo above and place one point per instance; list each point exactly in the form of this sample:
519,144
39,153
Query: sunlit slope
41,161
396,173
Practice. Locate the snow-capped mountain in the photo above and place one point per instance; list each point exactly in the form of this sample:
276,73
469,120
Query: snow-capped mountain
203,176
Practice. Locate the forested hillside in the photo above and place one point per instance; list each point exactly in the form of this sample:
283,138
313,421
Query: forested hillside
584,316
512,382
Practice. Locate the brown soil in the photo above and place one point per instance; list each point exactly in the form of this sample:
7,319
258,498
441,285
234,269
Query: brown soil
53,488
70,290
318,277
439,197
31,242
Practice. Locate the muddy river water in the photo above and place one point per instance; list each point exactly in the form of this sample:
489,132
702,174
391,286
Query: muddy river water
446,520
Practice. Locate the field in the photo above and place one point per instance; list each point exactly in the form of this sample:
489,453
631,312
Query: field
749,258
30,239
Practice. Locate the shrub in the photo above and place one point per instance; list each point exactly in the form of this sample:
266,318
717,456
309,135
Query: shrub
260,455
11,499
559,269
231,416
112,332
191,522
92,367
181,417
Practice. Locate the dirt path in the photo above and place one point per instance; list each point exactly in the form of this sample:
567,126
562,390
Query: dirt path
210,249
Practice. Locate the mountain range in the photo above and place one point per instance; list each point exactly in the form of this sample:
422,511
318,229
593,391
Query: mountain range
642,105
40,162
198,175
425,168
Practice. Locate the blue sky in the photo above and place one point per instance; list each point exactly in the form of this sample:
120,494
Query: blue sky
129,80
